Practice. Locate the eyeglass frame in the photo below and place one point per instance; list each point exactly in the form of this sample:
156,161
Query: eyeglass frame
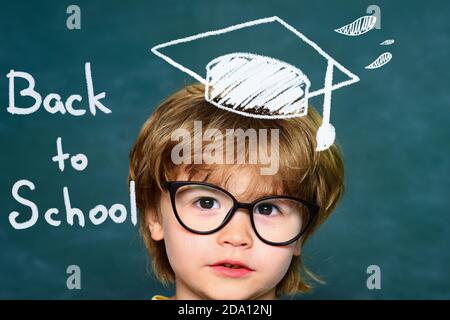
173,186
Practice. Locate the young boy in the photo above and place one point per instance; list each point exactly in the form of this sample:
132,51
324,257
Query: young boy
224,230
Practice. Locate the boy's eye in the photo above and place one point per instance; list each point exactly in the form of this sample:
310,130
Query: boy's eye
266,209
207,203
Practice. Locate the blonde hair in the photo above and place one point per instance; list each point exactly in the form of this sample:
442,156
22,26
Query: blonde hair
317,177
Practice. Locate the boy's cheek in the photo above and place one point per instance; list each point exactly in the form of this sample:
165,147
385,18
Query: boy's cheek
187,252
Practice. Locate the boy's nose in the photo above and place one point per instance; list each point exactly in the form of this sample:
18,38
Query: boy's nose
238,231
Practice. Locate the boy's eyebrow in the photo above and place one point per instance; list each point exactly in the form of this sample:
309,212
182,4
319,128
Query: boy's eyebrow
226,181
206,177
217,181
261,194
214,179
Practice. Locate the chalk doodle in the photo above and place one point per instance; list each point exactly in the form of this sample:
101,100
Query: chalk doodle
263,87
380,61
387,42
358,27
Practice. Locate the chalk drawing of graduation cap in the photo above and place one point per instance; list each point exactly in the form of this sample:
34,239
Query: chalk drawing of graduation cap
261,86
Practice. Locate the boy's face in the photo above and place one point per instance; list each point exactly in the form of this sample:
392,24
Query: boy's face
192,255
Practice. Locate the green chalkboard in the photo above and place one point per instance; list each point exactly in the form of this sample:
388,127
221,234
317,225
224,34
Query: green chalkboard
392,126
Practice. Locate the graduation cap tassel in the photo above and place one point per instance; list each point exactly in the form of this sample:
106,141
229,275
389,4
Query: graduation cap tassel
326,134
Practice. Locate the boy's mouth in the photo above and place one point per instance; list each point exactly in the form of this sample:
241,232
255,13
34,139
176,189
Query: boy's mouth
230,268
231,264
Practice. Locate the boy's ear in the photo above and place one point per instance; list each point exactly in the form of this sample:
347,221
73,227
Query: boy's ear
298,247
154,224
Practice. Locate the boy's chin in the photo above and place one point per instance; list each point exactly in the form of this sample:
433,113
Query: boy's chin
233,294
229,297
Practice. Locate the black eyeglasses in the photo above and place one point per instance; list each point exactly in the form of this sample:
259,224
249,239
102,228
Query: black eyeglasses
204,208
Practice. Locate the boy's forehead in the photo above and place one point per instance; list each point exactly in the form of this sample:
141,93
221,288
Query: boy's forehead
243,181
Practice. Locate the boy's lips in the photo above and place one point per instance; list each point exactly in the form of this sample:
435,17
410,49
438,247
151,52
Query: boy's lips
231,268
